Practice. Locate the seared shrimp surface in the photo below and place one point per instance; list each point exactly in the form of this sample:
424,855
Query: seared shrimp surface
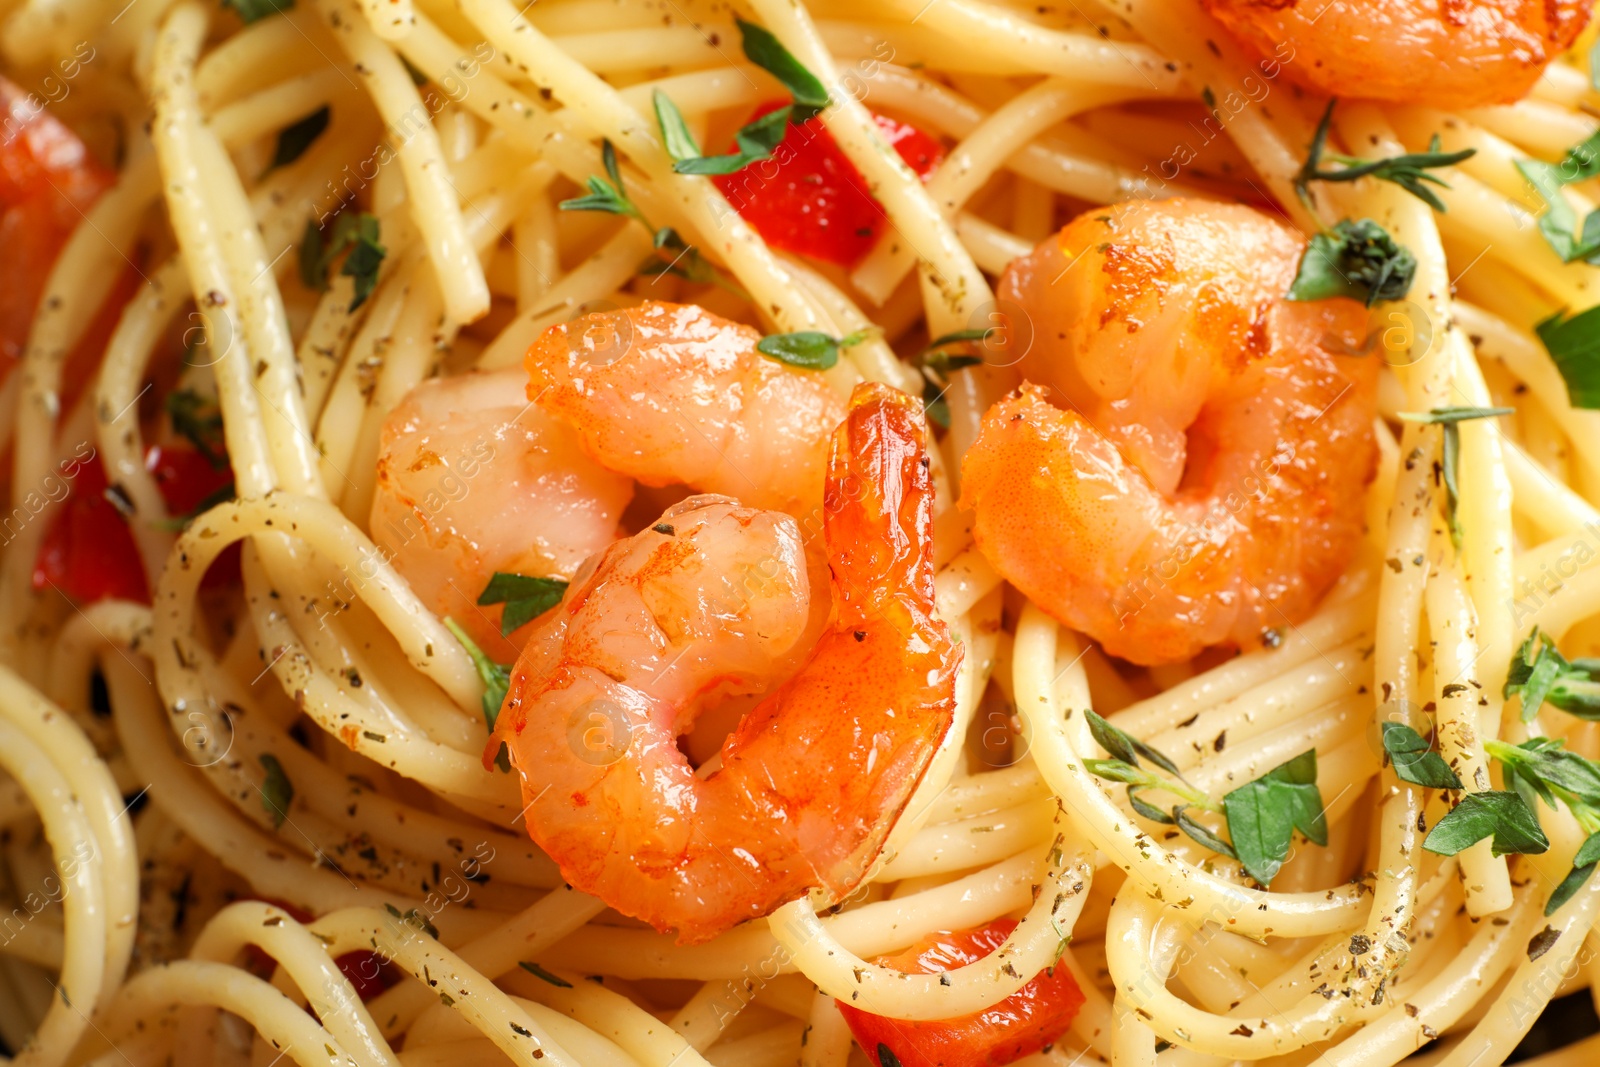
1206,485
710,603
474,479
1438,53
672,394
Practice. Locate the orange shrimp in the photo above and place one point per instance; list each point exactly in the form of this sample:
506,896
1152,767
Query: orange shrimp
710,604
1207,486
672,394
1438,53
473,479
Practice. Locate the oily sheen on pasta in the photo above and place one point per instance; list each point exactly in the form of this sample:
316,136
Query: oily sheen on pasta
897,534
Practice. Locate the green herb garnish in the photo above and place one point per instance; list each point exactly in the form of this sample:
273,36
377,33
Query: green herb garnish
1414,759
1574,347
525,597
810,349
768,53
255,10
277,792
756,140
1494,813
1354,259
415,919
1451,418
198,418
1539,673
496,677
539,972
294,139
1264,814
356,234
1409,171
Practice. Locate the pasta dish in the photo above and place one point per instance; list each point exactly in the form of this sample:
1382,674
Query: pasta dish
899,533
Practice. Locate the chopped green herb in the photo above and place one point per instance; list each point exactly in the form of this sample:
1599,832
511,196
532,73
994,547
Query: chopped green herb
355,233
277,792
1574,347
1415,760
1502,815
539,972
680,143
810,349
1201,833
1583,864
607,194
414,918
767,52
1127,748
295,138
1408,171
1542,674
1450,418
525,597
496,677
1354,259
255,10
198,418
755,141
1263,815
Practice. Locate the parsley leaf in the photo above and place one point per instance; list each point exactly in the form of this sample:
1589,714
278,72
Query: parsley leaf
1408,171
767,52
1546,675
1450,418
277,792
1558,222
496,677
1583,864
255,10
294,139
1415,760
525,597
810,349
355,233
1263,815
1354,259
1551,771
198,418
1574,347
1497,813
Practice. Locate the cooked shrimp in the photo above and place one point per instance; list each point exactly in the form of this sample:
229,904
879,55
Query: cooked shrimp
709,604
473,479
1206,487
1438,53
672,394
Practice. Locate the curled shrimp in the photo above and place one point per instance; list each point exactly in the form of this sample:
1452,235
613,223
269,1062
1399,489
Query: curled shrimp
1207,486
710,604
1438,53
672,394
473,479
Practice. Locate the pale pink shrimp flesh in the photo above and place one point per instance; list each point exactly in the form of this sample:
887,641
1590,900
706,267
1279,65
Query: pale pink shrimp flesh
474,479
709,604
1206,486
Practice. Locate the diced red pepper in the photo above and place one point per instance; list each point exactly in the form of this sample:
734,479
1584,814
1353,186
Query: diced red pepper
1023,1023
810,199
88,552
47,181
